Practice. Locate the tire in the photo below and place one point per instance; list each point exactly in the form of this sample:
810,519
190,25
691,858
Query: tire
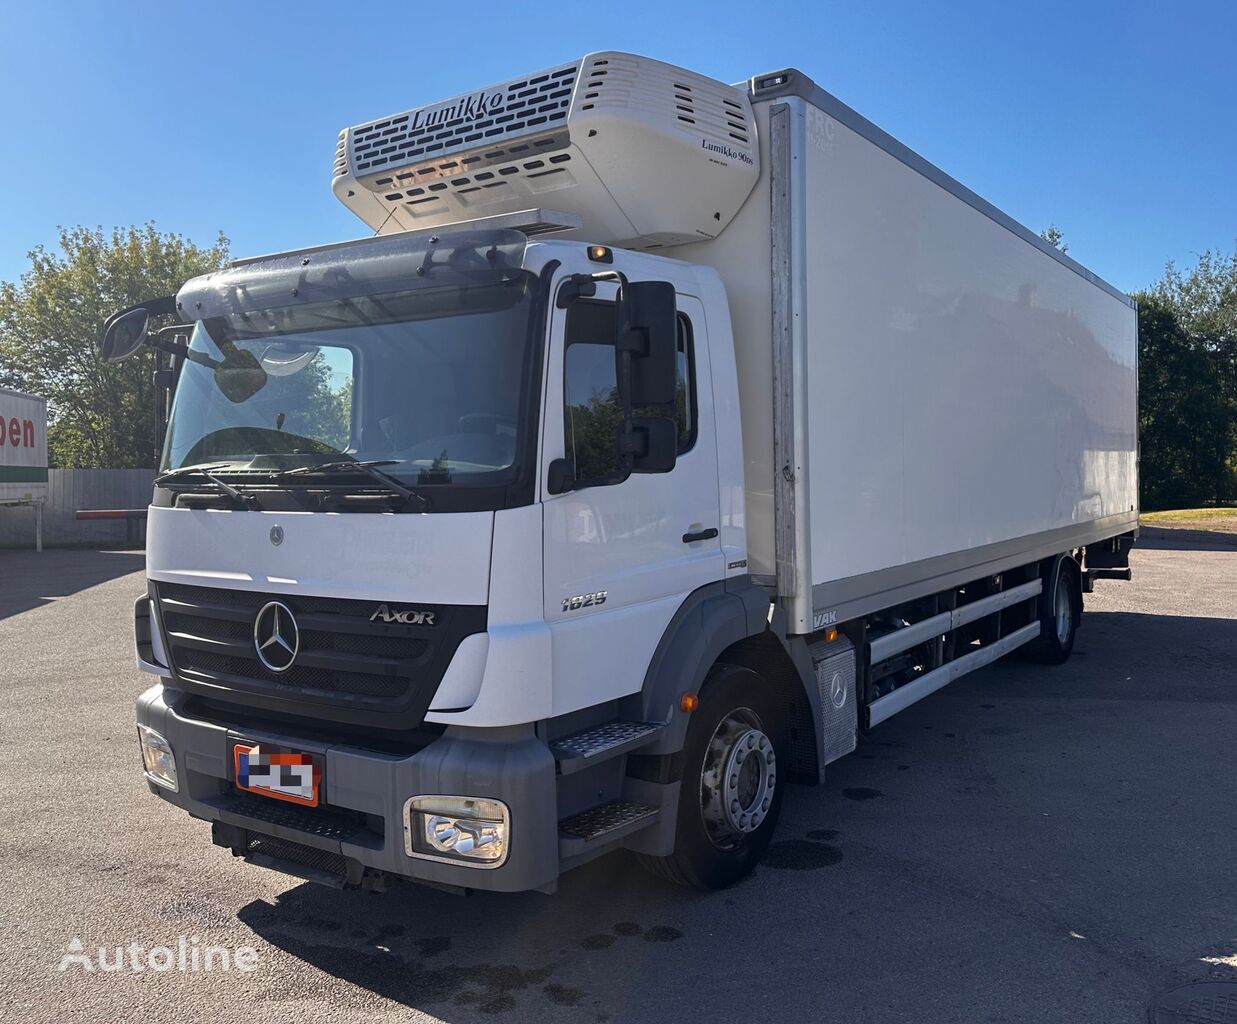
737,737
1058,624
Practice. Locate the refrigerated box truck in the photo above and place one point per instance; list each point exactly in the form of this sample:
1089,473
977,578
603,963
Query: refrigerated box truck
667,436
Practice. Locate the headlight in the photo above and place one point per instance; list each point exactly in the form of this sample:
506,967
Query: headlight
458,829
158,759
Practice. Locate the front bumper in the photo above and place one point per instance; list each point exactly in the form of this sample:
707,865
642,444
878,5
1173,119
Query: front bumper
359,830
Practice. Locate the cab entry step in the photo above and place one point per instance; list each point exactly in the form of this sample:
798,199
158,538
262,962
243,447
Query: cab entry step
602,742
610,821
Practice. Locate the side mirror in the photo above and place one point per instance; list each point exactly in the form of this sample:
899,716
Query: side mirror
647,330
656,443
124,334
125,331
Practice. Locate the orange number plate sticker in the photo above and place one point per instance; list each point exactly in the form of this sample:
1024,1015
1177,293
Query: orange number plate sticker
287,776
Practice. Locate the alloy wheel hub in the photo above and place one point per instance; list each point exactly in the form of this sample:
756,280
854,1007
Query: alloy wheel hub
739,778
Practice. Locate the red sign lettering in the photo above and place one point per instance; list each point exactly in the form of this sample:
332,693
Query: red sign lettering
17,433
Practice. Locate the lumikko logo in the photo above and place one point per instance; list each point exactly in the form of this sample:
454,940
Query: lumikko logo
187,955
465,108
722,149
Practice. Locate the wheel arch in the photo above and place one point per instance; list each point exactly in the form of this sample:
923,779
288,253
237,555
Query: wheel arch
710,619
729,623
787,666
1050,571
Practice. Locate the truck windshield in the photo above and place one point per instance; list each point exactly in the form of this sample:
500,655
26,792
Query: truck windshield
430,382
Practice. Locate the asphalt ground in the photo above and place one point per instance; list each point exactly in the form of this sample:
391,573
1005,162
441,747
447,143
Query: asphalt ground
1030,844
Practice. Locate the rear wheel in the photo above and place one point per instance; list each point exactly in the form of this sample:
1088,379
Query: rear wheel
732,788
1058,622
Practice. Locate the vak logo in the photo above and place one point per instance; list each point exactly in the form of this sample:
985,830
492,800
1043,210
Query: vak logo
468,108
408,616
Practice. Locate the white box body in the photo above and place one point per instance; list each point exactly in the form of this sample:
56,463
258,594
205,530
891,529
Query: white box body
953,393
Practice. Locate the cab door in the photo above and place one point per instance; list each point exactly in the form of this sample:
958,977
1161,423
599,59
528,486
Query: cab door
621,557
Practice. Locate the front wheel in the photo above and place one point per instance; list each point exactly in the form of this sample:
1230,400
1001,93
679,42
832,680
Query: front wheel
731,795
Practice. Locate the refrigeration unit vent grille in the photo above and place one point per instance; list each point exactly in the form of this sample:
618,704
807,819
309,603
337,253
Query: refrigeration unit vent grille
524,105
341,156
698,105
545,169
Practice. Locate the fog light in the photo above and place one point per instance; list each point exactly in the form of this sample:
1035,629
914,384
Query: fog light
157,758
468,830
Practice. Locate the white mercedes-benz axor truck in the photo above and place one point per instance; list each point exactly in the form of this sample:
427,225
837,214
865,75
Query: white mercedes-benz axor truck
666,436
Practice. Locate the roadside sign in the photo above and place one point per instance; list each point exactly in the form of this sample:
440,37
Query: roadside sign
23,447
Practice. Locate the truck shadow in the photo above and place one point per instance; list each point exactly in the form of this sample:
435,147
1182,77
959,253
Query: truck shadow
31,579
487,953
1164,539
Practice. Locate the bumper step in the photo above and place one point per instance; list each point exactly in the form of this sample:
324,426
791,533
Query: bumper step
601,743
315,822
584,831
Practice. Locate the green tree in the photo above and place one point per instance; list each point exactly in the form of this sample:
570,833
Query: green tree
1193,395
51,322
1183,420
1054,236
1205,296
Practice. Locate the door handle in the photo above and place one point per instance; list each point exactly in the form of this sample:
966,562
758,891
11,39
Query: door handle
709,534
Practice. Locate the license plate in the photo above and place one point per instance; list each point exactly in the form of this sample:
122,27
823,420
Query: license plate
282,774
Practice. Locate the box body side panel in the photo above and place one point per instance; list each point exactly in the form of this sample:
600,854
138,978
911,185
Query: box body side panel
964,388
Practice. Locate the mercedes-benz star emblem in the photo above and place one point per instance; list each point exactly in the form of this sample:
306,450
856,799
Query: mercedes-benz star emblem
276,535
837,690
276,636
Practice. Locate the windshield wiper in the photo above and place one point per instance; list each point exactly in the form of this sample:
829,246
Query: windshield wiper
370,469
242,498
173,474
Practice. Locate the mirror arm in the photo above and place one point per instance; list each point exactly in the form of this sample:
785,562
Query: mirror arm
577,286
165,305
170,339
584,286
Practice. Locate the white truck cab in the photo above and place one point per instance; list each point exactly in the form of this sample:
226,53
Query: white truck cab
558,516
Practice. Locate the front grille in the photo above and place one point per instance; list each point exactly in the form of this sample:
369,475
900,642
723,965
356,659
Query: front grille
207,663
370,673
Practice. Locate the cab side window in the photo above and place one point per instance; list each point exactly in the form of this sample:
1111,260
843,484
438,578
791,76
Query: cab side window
591,413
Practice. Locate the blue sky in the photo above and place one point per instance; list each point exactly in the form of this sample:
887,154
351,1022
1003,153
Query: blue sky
1116,121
